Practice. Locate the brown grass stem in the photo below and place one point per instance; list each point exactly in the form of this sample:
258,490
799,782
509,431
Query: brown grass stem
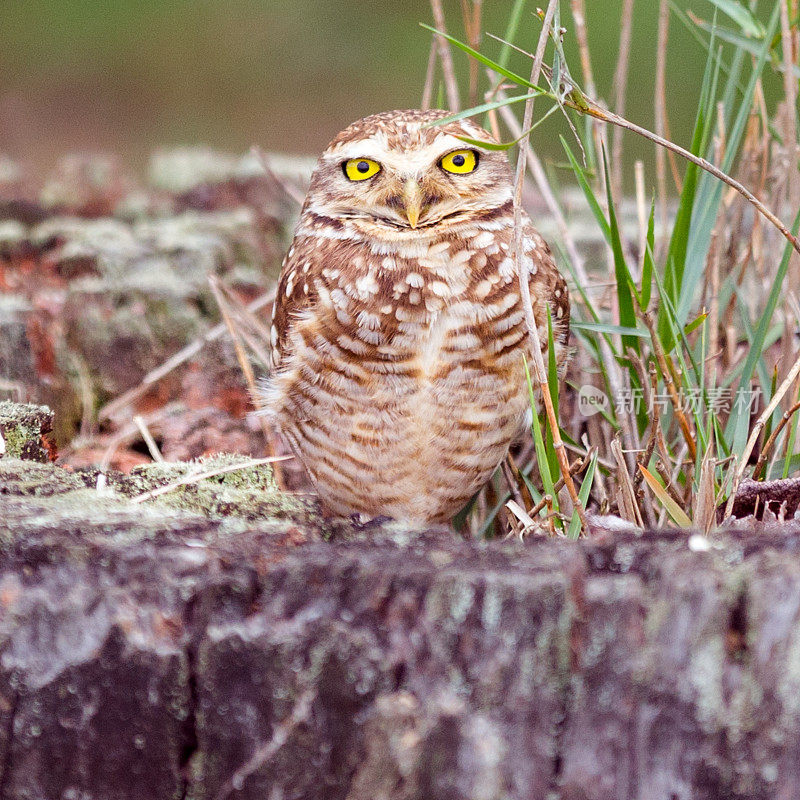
621,88
430,74
445,57
790,91
579,17
471,13
660,101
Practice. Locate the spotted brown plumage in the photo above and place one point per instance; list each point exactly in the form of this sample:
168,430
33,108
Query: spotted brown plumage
398,331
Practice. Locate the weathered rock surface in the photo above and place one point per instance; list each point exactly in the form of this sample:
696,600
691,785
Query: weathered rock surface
102,280
186,648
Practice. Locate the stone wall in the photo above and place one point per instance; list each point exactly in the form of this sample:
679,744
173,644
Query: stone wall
182,648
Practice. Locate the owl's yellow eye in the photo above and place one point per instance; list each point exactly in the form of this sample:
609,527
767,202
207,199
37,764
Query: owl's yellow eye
460,162
359,169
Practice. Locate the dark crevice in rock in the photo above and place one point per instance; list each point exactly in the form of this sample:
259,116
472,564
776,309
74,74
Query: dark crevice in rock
572,637
736,640
9,741
399,675
558,739
190,741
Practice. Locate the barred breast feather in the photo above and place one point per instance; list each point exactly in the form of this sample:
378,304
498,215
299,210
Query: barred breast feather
398,374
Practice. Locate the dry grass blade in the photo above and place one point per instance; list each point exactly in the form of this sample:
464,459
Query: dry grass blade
445,57
241,355
706,505
790,90
538,361
756,432
249,327
758,472
626,495
129,433
528,523
291,191
152,447
471,13
641,205
519,480
200,476
511,481
579,17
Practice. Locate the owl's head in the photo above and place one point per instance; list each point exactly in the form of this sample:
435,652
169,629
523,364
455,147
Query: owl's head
396,174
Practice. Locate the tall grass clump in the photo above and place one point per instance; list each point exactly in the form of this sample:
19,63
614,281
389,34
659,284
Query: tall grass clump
684,383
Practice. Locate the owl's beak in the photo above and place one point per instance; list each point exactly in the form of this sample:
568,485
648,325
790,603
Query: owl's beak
412,201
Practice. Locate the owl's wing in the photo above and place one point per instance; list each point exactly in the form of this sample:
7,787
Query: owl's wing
548,287
297,292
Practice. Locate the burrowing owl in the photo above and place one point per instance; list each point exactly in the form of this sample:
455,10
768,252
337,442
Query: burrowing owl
398,332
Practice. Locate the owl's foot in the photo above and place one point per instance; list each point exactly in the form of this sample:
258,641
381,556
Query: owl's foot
364,522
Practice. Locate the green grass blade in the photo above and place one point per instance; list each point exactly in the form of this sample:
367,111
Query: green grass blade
511,32
675,264
742,17
602,327
574,530
487,62
475,110
538,440
508,145
710,190
695,324
792,439
648,261
624,279
594,204
552,381
678,515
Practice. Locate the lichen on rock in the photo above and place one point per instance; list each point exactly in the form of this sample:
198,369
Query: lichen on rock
23,430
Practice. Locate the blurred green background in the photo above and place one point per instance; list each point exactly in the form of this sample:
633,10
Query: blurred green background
127,77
